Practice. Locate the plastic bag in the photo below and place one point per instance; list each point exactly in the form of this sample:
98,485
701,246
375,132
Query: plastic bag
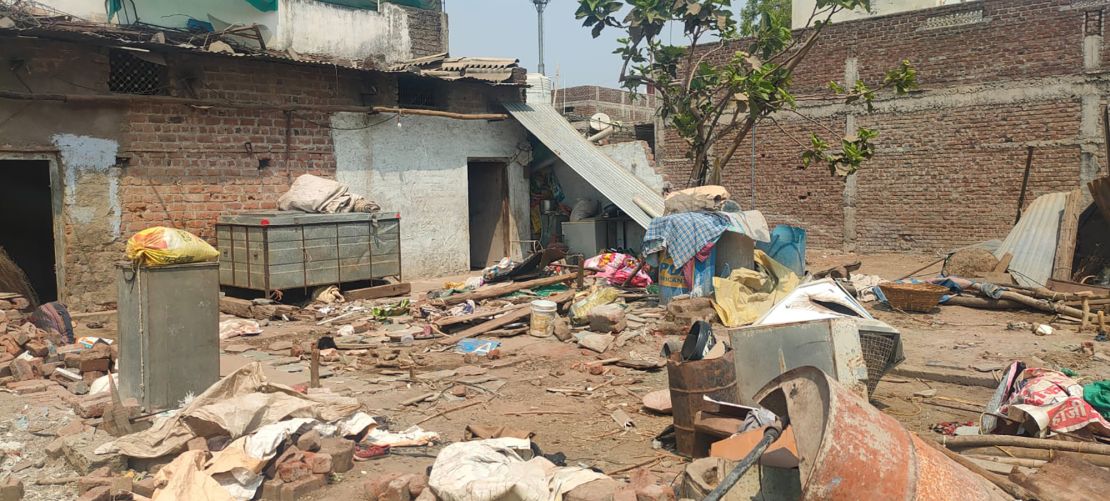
602,296
161,246
585,208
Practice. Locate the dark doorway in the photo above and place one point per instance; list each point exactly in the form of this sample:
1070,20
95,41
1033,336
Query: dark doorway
27,223
489,212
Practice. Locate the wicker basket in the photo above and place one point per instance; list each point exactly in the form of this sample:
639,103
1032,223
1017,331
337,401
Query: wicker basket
922,298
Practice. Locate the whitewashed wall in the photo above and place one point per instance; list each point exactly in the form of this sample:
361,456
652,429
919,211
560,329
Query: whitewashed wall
420,170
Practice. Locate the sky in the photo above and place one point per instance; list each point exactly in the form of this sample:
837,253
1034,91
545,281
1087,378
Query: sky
507,28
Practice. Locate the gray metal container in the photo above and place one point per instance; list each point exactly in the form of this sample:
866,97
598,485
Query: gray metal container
269,251
169,332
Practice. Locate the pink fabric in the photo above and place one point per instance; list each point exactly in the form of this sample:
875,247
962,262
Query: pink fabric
616,267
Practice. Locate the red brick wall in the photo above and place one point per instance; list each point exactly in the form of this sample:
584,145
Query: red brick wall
183,166
948,169
190,165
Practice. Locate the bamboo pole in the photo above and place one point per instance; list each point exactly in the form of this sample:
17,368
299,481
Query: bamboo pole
1034,443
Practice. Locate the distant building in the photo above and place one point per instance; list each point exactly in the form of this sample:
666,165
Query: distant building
634,114
803,9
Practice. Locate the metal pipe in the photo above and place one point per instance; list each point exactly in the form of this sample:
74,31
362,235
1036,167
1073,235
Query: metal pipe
540,6
601,135
769,437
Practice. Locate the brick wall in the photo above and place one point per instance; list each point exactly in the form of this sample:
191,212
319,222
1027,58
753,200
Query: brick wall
996,76
180,165
427,31
585,100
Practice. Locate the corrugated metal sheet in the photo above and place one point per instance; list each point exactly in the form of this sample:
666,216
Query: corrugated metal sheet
617,184
1033,240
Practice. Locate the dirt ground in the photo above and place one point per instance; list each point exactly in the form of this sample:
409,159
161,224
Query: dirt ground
516,390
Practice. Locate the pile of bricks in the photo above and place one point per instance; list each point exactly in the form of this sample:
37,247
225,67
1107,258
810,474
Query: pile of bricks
306,465
29,354
14,308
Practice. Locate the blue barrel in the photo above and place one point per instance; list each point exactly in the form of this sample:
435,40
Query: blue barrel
788,247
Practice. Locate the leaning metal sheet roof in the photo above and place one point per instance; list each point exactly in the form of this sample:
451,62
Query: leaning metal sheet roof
613,181
1033,240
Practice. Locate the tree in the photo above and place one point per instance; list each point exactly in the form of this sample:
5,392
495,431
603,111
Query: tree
750,14
714,94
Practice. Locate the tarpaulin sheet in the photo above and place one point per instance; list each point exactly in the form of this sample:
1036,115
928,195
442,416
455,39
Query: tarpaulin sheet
237,405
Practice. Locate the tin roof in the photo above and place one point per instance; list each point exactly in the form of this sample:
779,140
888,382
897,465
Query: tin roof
614,182
40,23
489,69
1033,240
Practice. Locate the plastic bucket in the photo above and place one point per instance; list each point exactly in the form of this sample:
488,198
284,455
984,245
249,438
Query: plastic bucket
544,313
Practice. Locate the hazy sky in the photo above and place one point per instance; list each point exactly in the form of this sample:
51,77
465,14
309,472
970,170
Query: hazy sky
507,28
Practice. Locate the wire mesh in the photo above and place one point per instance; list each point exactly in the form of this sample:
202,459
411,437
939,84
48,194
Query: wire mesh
131,75
878,356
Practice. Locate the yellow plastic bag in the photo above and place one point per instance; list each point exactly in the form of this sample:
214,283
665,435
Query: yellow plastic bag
601,296
746,294
161,246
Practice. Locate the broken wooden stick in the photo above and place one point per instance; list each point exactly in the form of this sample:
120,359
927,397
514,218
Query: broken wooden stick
417,399
314,367
503,289
479,315
538,413
635,466
514,315
453,409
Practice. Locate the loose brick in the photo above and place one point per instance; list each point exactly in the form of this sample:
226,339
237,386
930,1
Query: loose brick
92,406
100,493
37,347
320,463
94,365
293,491
342,453
309,441
11,489
292,471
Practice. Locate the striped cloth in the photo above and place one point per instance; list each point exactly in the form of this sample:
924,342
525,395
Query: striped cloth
684,234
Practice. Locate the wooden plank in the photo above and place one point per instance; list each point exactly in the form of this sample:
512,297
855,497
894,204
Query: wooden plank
1004,263
1069,228
512,316
378,292
509,288
1069,286
966,379
480,315
506,319
1065,478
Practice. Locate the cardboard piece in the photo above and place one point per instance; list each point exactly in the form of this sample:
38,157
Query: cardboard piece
783,453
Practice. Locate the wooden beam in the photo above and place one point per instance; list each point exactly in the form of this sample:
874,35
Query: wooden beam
480,315
513,315
377,292
1069,230
509,288
129,99
482,328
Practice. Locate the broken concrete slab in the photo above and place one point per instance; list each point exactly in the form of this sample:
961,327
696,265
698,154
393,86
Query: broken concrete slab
79,451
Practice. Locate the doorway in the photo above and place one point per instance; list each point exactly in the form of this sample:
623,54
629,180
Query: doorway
488,196
27,226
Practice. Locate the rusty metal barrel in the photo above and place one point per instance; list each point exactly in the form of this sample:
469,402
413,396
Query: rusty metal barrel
850,450
689,382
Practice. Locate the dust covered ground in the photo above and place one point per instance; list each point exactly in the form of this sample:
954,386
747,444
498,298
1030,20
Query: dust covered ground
546,387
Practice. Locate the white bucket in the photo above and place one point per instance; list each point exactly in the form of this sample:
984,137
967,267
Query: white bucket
544,313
